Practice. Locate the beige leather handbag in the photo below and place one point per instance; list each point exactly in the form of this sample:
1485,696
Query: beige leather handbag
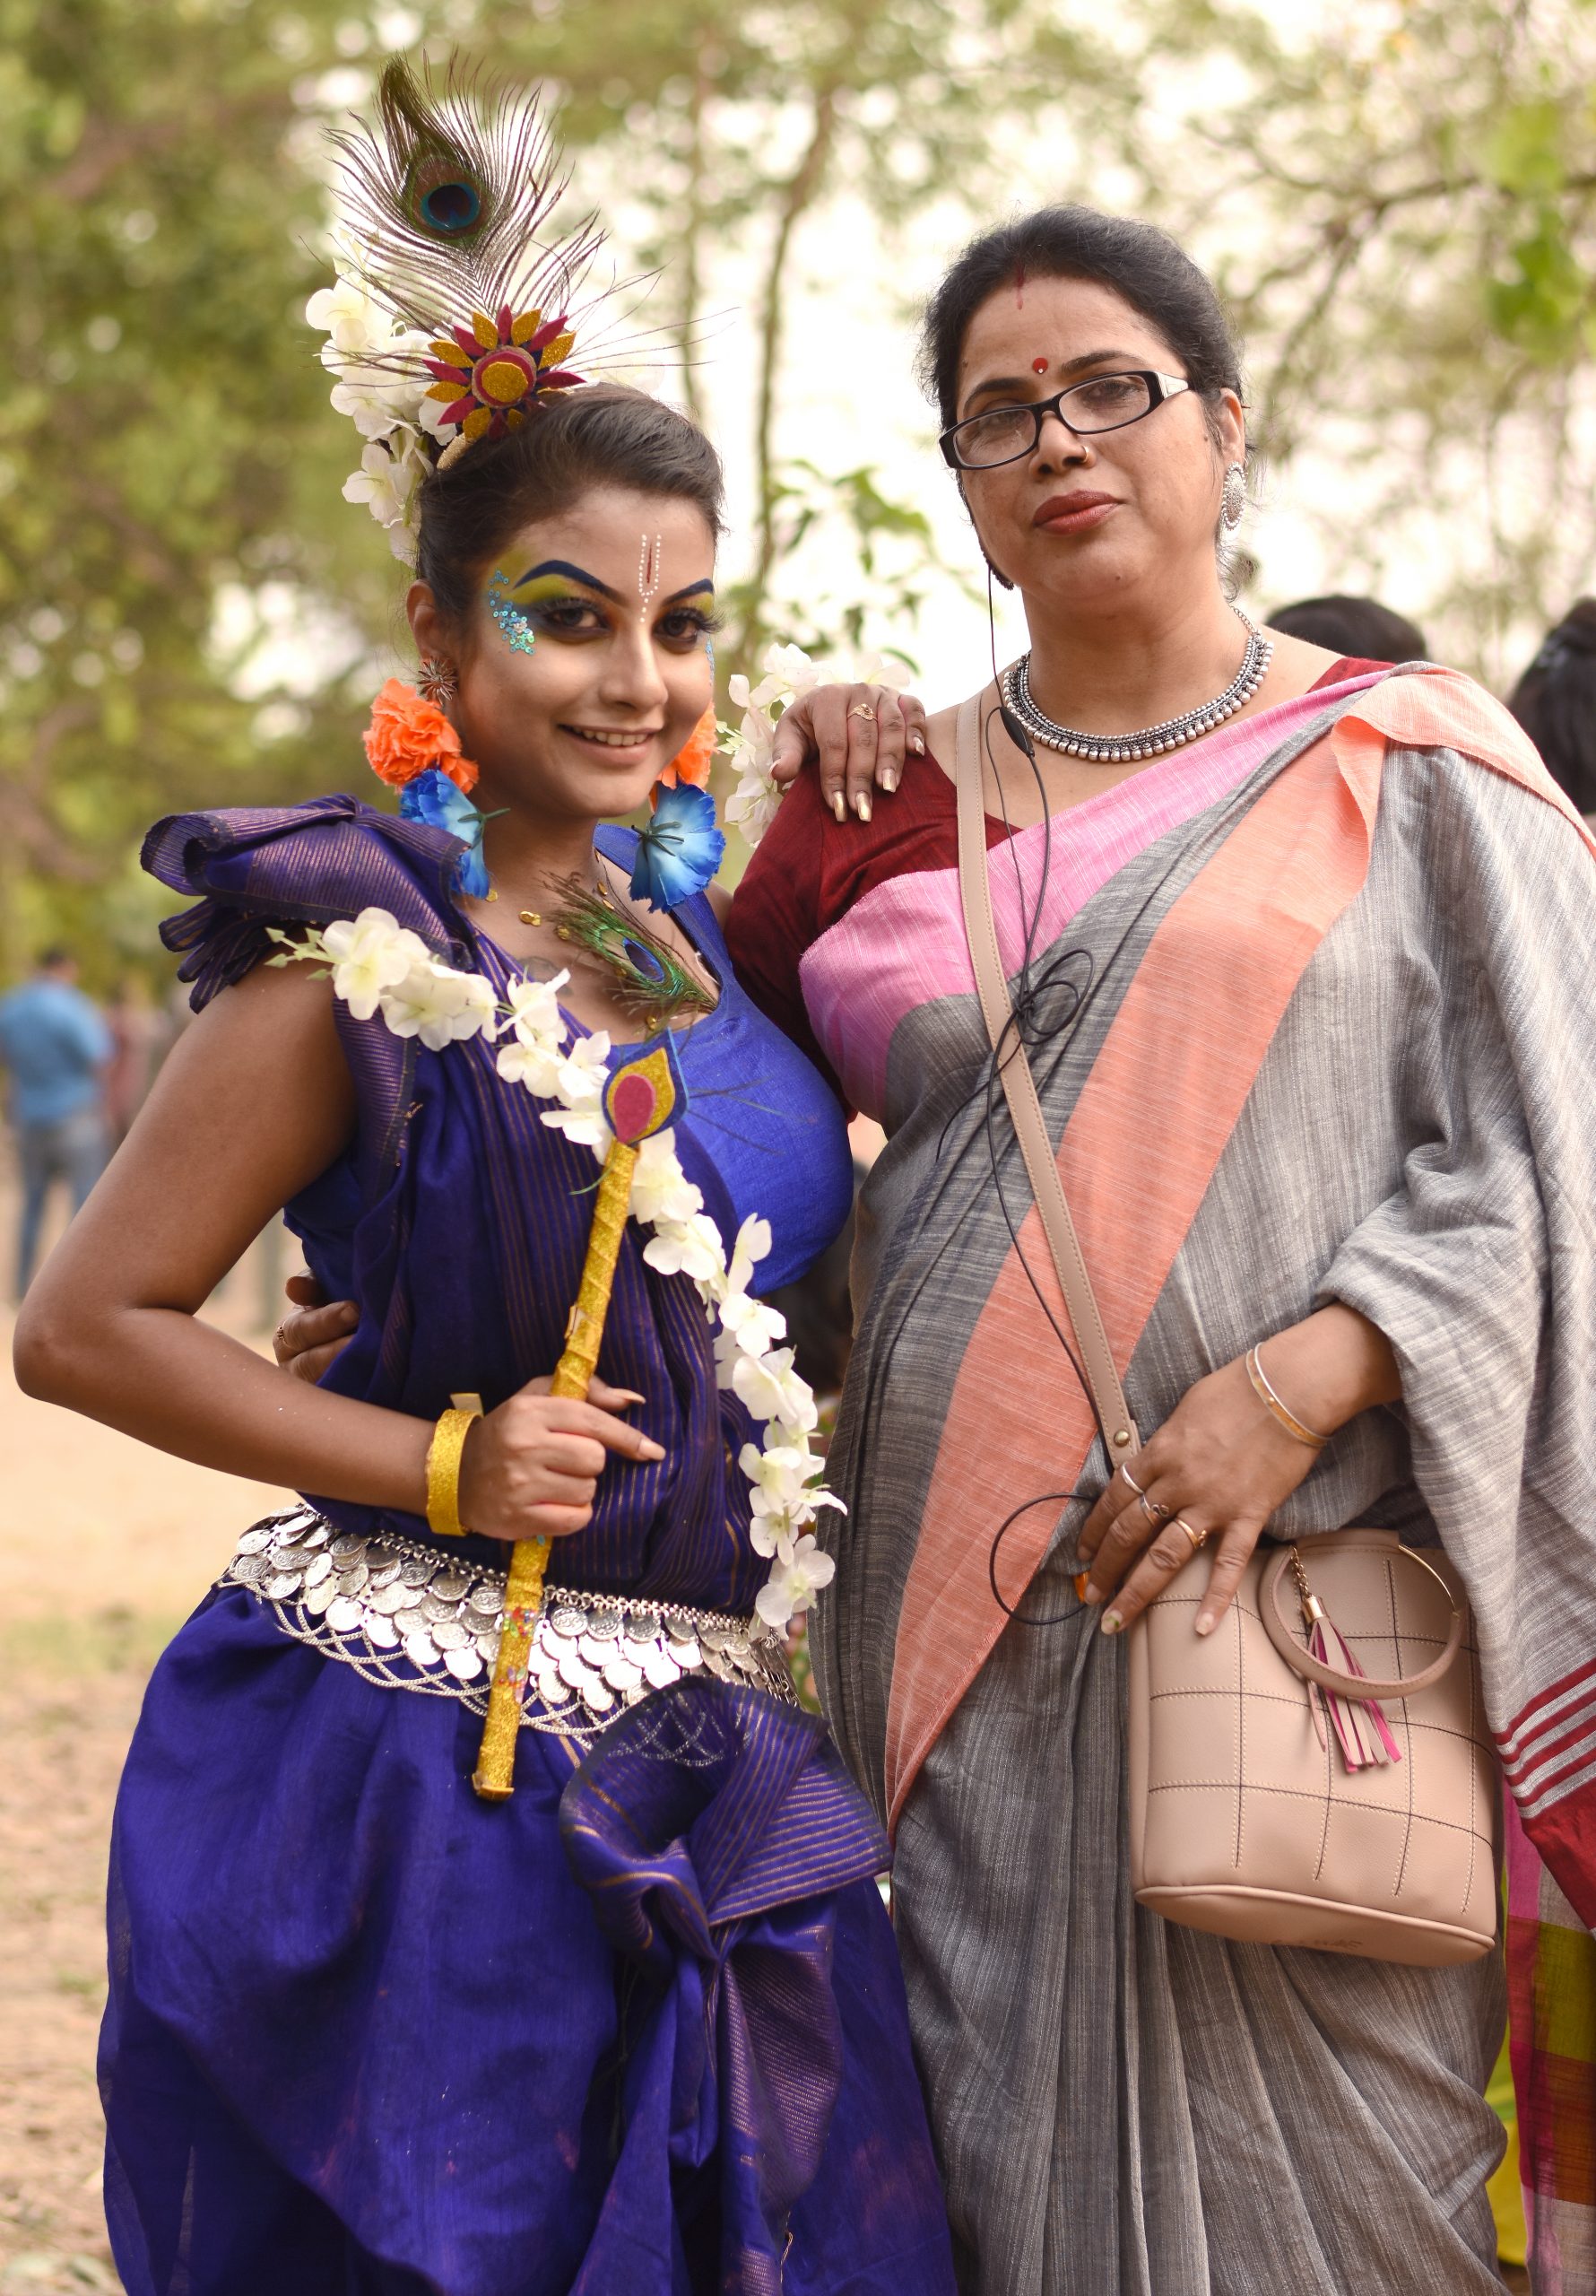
1276,1797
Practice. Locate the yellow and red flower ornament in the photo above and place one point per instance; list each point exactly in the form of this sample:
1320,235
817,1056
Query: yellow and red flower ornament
490,374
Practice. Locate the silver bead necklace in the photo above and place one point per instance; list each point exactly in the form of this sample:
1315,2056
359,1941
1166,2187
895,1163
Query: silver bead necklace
1174,734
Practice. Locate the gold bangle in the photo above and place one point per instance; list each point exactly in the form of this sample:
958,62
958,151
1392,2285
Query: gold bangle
1258,1379
442,1474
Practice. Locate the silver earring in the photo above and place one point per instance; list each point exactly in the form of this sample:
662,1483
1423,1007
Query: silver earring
1234,503
436,681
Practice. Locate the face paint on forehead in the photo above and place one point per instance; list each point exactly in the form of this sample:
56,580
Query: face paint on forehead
648,569
1019,288
1038,366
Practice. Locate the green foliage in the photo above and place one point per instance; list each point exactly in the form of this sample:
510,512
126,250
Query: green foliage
165,436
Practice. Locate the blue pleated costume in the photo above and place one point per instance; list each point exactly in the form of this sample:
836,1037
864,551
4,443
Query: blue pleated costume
639,2031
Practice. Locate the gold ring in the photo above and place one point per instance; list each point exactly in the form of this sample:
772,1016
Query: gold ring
1130,1478
1199,1538
863,709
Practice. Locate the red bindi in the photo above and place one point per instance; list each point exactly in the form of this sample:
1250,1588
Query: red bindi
1038,366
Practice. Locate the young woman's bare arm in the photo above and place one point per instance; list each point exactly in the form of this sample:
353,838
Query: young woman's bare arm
255,1101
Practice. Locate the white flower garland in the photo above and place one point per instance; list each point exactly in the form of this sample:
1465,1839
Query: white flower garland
788,674
377,966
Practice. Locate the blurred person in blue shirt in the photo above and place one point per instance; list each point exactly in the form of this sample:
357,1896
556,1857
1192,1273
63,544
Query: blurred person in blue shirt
55,1046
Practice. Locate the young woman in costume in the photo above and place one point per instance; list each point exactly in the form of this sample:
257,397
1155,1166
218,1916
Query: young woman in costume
460,1943
1297,942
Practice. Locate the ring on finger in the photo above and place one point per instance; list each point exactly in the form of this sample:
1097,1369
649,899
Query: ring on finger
1199,1538
1156,1514
1130,1478
861,710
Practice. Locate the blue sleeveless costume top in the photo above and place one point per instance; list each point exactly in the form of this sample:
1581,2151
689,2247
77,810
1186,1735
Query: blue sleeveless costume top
641,2027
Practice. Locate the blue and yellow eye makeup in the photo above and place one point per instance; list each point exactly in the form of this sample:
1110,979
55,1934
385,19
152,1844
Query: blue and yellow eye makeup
559,600
517,630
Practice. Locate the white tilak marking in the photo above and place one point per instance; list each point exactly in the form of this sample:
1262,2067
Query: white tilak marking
649,566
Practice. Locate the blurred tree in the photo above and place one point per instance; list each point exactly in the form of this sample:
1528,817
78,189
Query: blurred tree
1400,201
728,129
167,460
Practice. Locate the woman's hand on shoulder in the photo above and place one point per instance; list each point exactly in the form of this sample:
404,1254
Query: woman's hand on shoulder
861,735
531,1468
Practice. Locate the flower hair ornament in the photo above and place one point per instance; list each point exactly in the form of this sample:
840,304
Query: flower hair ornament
412,746
452,319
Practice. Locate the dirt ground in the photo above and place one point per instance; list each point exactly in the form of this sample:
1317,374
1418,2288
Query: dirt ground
106,1547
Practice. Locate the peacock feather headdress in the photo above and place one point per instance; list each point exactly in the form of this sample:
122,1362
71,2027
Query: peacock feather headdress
456,311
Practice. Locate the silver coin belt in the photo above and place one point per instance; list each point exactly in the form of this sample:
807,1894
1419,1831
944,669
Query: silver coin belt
1153,741
405,1616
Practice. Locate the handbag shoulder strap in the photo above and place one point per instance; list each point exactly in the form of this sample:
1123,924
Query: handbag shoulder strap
1020,1089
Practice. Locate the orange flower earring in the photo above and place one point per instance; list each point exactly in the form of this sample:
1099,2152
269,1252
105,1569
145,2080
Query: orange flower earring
691,762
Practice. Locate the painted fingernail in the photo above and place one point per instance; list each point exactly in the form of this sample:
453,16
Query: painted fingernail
1206,1623
917,744
862,806
888,778
840,804
1112,1622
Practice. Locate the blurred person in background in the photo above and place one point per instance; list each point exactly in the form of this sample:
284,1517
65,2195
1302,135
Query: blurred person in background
1555,702
140,1034
55,1046
1359,628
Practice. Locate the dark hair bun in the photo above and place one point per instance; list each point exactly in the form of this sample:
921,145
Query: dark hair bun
1555,702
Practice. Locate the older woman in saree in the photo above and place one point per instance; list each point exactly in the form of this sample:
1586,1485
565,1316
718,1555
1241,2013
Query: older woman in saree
1297,941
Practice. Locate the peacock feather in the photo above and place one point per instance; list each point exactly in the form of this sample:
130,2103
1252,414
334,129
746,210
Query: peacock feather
654,983
447,197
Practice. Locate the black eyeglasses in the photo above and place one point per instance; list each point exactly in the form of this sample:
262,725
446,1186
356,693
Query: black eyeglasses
1007,434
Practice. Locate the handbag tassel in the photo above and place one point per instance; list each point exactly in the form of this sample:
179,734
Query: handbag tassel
1361,1729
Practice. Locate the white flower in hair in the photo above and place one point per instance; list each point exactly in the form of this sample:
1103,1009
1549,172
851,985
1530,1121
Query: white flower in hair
369,954
353,319
380,483
792,1585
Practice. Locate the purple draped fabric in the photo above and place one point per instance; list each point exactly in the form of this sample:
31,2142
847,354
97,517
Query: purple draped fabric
366,2032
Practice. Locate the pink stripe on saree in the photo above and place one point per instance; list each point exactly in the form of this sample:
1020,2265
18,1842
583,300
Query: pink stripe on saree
903,943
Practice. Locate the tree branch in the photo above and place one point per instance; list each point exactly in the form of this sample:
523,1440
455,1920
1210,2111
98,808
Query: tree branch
802,189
